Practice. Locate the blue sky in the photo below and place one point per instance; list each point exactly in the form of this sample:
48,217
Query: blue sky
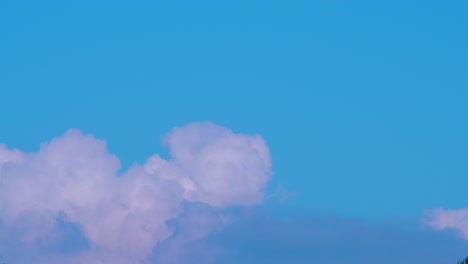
362,103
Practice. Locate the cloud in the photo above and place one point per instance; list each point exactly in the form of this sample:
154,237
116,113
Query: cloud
67,203
72,183
441,219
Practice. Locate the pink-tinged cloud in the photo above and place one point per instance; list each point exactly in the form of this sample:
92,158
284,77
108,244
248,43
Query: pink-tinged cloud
441,219
124,216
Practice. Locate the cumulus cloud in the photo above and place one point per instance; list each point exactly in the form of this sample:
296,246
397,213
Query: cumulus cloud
123,217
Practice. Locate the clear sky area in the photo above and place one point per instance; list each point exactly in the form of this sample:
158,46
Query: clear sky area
233,131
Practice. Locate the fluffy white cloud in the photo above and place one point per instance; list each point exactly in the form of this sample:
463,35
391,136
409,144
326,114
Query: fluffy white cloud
441,219
124,216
